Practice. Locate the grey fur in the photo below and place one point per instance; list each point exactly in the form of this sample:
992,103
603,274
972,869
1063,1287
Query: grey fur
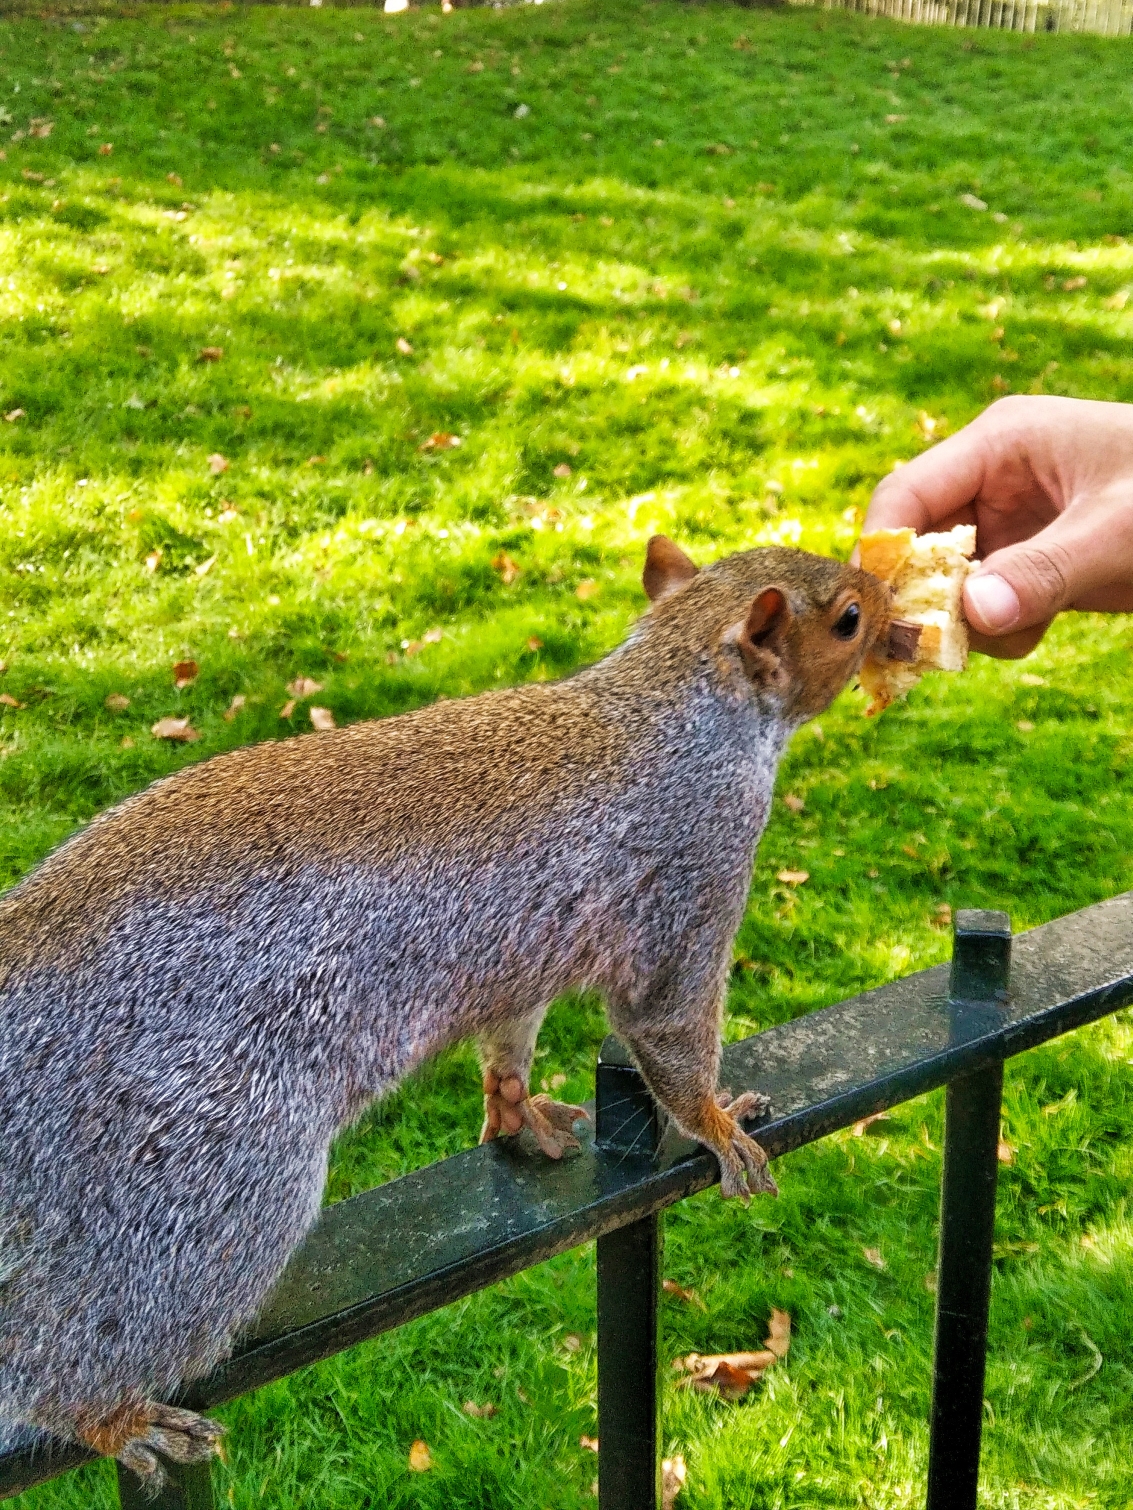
201,988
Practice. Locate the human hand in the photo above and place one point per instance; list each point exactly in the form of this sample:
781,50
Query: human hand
1048,483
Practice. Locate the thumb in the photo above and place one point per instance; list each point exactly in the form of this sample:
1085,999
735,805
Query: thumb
1027,584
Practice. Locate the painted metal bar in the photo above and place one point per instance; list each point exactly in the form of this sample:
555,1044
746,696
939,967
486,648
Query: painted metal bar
981,963
629,1291
187,1487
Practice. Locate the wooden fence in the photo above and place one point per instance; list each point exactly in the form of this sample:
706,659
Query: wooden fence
1107,18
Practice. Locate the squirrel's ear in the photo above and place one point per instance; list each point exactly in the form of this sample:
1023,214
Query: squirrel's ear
666,568
761,637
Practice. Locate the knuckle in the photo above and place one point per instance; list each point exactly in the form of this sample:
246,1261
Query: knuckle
1048,569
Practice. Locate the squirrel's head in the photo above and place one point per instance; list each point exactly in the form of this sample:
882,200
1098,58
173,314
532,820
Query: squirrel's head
792,627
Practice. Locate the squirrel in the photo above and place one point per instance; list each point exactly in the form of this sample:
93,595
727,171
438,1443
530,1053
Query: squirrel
199,989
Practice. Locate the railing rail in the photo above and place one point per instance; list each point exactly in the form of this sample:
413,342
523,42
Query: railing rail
431,1237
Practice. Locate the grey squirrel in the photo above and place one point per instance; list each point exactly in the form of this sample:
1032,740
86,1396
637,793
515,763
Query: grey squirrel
203,986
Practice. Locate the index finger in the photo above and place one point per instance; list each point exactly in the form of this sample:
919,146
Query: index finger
935,490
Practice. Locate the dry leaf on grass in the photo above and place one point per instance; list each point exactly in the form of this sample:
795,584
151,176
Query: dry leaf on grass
321,719
234,707
733,1374
106,149
153,560
481,1412
534,643
793,877
590,1443
673,1477
587,589
690,1297
420,1458
432,636
1118,300
873,1256
205,567
210,354
403,346
506,567
562,470
218,464
14,414
796,804
185,672
1004,1152
174,728
863,1124
9,701
1071,285
288,709
117,702
441,441
303,686
778,1340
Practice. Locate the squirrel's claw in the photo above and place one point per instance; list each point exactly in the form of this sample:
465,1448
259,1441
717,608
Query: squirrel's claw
180,1435
508,1108
551,1122
743,1163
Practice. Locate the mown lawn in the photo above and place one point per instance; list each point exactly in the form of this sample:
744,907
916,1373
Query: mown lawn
656,266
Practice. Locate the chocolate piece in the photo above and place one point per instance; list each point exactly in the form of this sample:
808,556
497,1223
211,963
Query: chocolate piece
904,637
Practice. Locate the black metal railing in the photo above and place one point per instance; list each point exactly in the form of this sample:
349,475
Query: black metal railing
382,1258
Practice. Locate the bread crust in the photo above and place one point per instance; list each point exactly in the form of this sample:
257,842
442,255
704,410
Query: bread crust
926,576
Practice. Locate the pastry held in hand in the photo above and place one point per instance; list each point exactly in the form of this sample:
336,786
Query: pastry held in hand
926,574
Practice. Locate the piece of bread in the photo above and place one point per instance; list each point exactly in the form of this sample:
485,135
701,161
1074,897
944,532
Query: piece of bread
926,574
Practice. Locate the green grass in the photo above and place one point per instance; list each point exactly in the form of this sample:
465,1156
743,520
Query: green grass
680,274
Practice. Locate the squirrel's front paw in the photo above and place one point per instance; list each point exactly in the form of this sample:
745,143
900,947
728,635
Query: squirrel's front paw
508,1108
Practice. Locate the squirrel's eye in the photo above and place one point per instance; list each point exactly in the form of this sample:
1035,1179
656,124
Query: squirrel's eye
848,622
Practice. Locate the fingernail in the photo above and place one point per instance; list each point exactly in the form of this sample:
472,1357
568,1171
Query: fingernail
992,604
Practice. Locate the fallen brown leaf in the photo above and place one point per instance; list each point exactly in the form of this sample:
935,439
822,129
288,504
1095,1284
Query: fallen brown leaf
153,560
673,1477
572,1342
127,743
303,686
420,1458
321,719
506,567
404,347
106,149
31,176
174,178
14,414
864,1123
778,1340
1072,284
234,707
39,126
793,877
185,672
562,470
1004,1152
288,709
218,464
9,701
481,1412
590,1443
117,702
442,441
210,354
534,643
796,804
873,1256
1118,300
690,1297
586,589
174,728
315,461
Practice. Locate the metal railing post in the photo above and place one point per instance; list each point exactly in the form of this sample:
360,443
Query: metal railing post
981,961
629,1286
188,1486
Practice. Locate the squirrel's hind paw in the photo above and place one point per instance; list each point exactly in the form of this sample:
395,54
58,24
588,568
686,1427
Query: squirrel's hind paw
180,1435
551,1122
